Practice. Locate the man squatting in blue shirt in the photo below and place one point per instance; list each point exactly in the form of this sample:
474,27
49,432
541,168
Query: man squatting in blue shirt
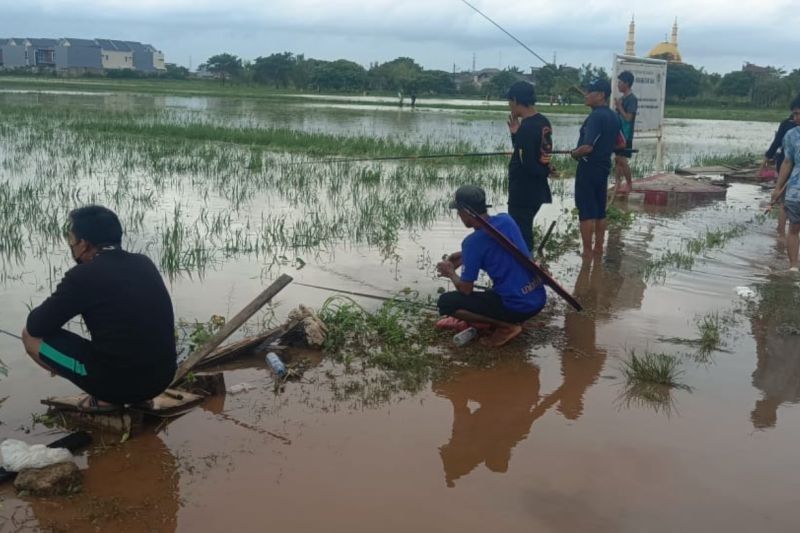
516,294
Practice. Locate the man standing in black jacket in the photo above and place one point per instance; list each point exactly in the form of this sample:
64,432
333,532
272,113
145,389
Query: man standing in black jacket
125,306
532,138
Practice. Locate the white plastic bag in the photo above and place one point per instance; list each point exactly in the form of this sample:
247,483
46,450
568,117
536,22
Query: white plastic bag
16,455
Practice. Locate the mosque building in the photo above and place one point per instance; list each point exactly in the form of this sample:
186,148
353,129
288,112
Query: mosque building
665,50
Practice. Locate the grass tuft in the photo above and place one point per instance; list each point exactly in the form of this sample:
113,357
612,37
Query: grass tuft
653,368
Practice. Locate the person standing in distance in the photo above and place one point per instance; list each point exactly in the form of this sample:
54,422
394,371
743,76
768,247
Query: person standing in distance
597,141
529,168
775,151
789,179
626,107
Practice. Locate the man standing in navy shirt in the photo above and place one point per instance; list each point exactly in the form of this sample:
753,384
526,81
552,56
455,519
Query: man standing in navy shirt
516,294
532,138
598,139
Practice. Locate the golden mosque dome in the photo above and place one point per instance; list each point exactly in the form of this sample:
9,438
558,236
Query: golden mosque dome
665,50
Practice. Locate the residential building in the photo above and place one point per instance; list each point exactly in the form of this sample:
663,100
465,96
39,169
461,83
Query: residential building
27,52
41,52
78,56
115,55
15,53
146,58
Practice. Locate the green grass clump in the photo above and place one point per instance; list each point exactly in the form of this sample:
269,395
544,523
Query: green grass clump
653,368
710,328
395,339
650,381
619,218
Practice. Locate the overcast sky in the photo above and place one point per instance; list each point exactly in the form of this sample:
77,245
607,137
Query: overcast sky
717,34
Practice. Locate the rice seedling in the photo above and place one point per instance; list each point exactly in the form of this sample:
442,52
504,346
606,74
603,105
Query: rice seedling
710,329
685,259
653,368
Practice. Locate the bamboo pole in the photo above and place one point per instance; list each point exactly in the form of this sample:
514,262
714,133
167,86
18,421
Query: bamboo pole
231,326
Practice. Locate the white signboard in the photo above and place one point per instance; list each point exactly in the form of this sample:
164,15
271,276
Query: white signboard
649,86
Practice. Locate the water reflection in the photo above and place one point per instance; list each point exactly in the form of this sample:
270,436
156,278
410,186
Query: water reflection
127,488
486,433
776,330
494,409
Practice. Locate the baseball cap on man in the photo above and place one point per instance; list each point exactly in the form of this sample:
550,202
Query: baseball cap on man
522,92
599,86
470,196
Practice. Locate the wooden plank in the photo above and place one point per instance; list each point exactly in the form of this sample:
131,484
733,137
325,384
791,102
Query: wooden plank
122,421
233,350
231,326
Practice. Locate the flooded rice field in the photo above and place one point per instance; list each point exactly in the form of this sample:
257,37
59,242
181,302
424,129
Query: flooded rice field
546,434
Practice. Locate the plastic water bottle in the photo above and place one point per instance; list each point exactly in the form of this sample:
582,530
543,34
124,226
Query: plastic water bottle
276,364
465,336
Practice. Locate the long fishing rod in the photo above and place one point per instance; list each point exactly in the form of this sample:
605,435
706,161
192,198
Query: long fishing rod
499,27
525,46
523,258
419,157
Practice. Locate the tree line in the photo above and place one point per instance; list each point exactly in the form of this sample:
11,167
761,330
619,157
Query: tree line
687,84
286,70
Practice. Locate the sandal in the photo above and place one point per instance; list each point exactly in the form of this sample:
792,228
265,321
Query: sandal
89,404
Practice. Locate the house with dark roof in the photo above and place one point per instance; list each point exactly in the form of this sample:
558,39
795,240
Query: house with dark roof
15,53
116,55
22,52
42,52
77,56
146,58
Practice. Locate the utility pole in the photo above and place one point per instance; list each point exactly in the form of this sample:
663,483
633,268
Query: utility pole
473,62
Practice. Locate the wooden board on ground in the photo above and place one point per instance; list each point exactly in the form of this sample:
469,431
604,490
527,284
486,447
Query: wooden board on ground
676,191
750,175
169,404
706,170
236,349
122,421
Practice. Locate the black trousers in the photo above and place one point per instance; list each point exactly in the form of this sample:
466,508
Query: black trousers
524,216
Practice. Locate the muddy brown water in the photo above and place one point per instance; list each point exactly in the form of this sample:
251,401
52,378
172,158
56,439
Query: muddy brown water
541,440
544,438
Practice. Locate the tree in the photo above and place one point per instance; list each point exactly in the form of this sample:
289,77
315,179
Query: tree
226,66
737,83
397,75
683,81
500,83
274,69
771,92
435,81
175,72
588,73
340,75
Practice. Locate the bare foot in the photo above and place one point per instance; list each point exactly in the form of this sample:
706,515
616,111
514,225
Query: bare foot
501,336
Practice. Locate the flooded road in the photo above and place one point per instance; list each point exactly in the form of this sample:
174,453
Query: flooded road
542,436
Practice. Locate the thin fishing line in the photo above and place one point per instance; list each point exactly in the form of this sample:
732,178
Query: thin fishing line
11,334
525,46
